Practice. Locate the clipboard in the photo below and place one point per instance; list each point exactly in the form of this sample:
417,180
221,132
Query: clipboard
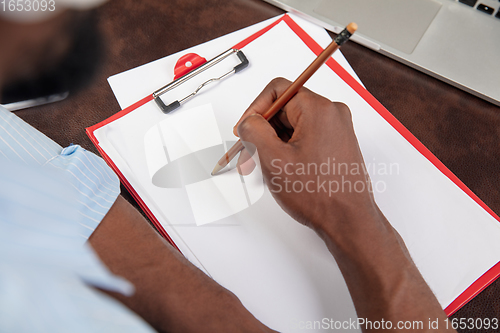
191,65
410,144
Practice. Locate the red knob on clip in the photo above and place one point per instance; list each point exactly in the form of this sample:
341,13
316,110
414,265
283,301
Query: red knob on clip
187,63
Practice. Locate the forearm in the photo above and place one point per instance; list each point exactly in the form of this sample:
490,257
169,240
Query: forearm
171,294
381,277
383,281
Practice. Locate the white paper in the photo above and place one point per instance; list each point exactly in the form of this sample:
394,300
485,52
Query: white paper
217,198
281,270
189,131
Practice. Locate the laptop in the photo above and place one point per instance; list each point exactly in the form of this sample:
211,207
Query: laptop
457,41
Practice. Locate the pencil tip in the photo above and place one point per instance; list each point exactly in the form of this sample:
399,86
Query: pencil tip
216,170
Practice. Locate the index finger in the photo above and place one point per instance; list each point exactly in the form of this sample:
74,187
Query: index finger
266,98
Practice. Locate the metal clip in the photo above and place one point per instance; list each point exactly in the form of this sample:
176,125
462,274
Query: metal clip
174,105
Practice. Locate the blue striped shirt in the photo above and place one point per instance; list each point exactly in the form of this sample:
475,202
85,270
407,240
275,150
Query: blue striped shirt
96,183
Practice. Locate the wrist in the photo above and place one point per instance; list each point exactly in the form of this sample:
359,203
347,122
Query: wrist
365,244
351,221
378,268
357,235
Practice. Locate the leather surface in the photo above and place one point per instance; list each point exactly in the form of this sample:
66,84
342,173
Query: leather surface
460,129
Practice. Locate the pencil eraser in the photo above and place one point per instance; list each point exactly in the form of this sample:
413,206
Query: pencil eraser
352,27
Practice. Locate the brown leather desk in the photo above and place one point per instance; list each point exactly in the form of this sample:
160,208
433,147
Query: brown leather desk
461,130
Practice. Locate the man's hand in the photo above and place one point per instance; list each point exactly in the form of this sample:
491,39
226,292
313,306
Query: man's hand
309,155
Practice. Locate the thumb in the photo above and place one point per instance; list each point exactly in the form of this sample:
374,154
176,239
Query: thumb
256,132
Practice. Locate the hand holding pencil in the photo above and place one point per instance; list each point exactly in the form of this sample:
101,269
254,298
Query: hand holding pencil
292,89
308,132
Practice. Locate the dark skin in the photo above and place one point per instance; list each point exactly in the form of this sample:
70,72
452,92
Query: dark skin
175,296
374,261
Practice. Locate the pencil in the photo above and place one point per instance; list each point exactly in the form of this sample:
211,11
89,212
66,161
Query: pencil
292,90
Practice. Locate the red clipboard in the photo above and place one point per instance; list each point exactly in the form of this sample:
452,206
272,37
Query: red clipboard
475,288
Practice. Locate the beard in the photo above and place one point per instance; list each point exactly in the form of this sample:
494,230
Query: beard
67,73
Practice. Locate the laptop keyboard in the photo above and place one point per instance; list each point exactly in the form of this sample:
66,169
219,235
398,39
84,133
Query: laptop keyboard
485,8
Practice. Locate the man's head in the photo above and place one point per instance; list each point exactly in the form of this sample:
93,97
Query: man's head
46,51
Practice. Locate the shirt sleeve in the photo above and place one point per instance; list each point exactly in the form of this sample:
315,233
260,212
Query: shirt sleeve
96,184
45,267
